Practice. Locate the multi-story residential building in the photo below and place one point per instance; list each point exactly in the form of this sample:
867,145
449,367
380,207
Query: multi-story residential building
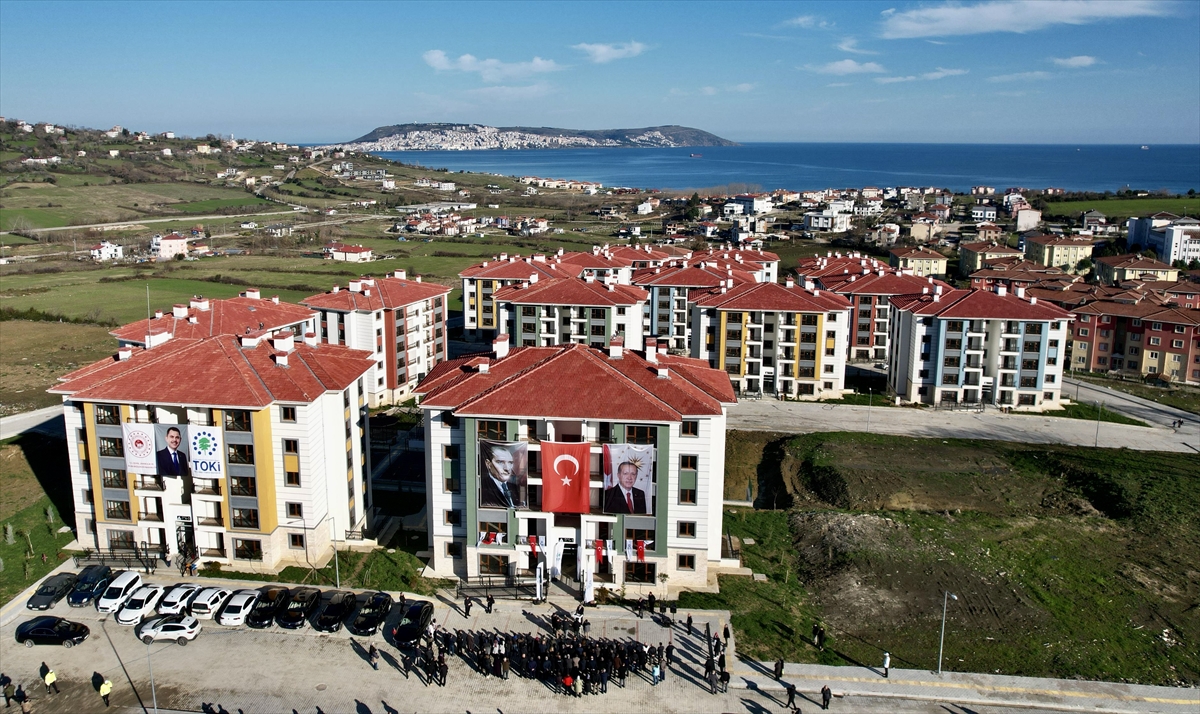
978,347
870,294
560,311
829,221
400,321
774,339
763,264
922,262
972,256
1062,252
1137,337
271,437
249,316
988,232
1179,241
1115,269
528,398
481,314
668,312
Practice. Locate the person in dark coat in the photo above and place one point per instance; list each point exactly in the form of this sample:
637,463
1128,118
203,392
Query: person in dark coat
791,690
689,624
467,607
826,695
778,669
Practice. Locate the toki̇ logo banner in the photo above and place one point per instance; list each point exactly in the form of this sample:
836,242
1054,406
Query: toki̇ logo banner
205,444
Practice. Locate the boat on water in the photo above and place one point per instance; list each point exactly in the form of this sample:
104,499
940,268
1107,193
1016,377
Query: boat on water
1145,148
697,156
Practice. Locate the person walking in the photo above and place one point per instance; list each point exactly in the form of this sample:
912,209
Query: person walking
689,624
778,669
726,633
373,657
887,663
821,638
467,607
504,666
826,695
791,690
712,681
670,653
815,630
641,605
49,678
10,689
105,690
443,670
654,674
491,602
651,601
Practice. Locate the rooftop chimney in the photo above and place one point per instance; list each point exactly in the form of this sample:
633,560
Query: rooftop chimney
664,373
500,346
179,311
790,282
483,366
616,346
937,290
1020,291
809,285
199,302
418,278
533,278
124,353
652,350
400,275
310,339
158,314
336,289
1001,290
281,359
355,286
283,340
275,299
253,294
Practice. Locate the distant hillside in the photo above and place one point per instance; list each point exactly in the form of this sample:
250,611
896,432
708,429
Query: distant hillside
466,137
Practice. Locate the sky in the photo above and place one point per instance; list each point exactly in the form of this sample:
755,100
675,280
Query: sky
998,71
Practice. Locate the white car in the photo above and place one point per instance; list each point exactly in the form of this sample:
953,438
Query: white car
180,628
209,601
177,599
140,604
235,610
119,591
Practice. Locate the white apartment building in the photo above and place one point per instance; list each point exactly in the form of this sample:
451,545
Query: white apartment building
977,347
829,221
531,396
402,322
560,311
668,312
107,251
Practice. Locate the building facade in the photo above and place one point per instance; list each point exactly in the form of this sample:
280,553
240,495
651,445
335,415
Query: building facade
1059,252
922,262
560,311
1141,339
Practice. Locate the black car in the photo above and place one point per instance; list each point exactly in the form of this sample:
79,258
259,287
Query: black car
90,584
53,590
47,630
298,609
336,609
416,619
371,615
270,600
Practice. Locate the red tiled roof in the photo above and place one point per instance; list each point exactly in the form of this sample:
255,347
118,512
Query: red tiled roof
1143,310
692,275
1053,240
978,304
218,372
770,296
732,254
1132,262
386,294
820,266
516,269
570,291
232,316
890,283
918,254
987,246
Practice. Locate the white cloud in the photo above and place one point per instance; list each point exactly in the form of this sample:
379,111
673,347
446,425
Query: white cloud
939,73
1020,77
888,12
1074,62
743,87
708,91
850,44
1015,16
840,84
491,70
500,93
846,66
600,53
808,22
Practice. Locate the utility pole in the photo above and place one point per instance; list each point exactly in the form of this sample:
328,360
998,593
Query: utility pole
946,596
1098,413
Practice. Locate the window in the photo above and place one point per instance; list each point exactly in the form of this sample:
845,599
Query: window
640,572
245,518
296,540
1156,326
493,526
291,446
1027,400
243,486
687,529
949,379
114,478
1177,344
244,549
690,428
452,517
688,462
117,511
492,430
121,539
237,420
287,414
605,434
111,447
291,478
685,562
1082,332
241,453
641,434
954,326
295,510
454,549
108,414
452,484
493,565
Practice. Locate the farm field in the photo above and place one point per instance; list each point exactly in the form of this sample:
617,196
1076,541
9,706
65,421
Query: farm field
33,355
1125,207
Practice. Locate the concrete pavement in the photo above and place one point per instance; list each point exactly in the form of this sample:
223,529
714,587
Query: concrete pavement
48,421
1147,410
810,417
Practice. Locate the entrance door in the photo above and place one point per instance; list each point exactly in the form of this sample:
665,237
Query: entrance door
570,562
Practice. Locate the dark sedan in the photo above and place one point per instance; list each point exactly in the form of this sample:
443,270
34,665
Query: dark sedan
53,590
89,585
48,630
371,615
413,625
335,611
299,608
270,600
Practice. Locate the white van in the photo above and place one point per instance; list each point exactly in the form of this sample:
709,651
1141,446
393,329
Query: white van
119,591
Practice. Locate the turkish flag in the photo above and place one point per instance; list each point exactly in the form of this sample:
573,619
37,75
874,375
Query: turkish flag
599,545
533,545
565,477
641,551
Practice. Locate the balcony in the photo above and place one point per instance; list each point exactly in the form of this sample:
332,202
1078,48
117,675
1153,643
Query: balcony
150,516
207,487
215,521
149,483
212,553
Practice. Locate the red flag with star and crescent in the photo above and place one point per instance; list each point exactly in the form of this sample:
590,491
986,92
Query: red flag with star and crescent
565,477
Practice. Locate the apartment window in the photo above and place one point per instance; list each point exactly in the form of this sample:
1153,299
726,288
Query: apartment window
492,430
1028,382
108,414
295,510
527,311
1156,326
954,326
1177,344
808,319
688,462
296,541
291,478
685,562
241,453
291,446
1082,332
121,540
117,511
452,517
687,529
641,434
597,313
949,379
244,549
243,486
114,478
245,518
1033,328
493,565
1153,341
287,414
111,447
1152,355
454,549
237,420
640,572
690,428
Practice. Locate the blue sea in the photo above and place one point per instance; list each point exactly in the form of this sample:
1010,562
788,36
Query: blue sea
762,166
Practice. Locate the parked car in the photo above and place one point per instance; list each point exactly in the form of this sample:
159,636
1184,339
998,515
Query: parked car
298,609
416,619
140,604
181,628
208,601
91,582
49,630
52,590
270,600
371,615
178,599
237,607
119,591
336,609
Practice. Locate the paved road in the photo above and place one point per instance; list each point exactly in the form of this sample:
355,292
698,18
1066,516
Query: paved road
808,417
47,421
136,221
1147,410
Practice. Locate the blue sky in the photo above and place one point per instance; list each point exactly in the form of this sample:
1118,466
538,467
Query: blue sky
1069,71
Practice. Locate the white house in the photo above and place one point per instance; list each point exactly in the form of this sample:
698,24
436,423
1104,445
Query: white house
830,221
107,251
167,247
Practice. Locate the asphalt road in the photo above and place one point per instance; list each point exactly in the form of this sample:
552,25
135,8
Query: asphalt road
1147,410
47,421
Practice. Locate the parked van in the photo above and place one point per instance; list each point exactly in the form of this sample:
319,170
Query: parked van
119,591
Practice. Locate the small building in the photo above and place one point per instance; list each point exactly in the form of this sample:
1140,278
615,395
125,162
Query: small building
1063,252
348,253
169,246
107,251
1115,269
923,262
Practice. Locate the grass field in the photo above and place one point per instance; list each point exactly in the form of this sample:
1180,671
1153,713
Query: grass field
1068,562
31,466
1089,412
1180,397
45,205
1125,207
35,354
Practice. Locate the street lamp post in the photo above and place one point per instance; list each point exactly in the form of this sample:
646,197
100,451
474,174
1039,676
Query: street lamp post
870,400
153,691
946,596
1099,411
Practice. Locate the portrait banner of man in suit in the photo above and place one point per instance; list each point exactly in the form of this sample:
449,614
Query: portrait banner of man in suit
503,472
628,482
171,455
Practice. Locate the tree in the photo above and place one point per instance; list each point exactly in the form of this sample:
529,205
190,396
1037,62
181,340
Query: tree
1084,265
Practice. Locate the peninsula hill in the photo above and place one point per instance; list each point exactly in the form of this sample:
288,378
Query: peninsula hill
468,137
